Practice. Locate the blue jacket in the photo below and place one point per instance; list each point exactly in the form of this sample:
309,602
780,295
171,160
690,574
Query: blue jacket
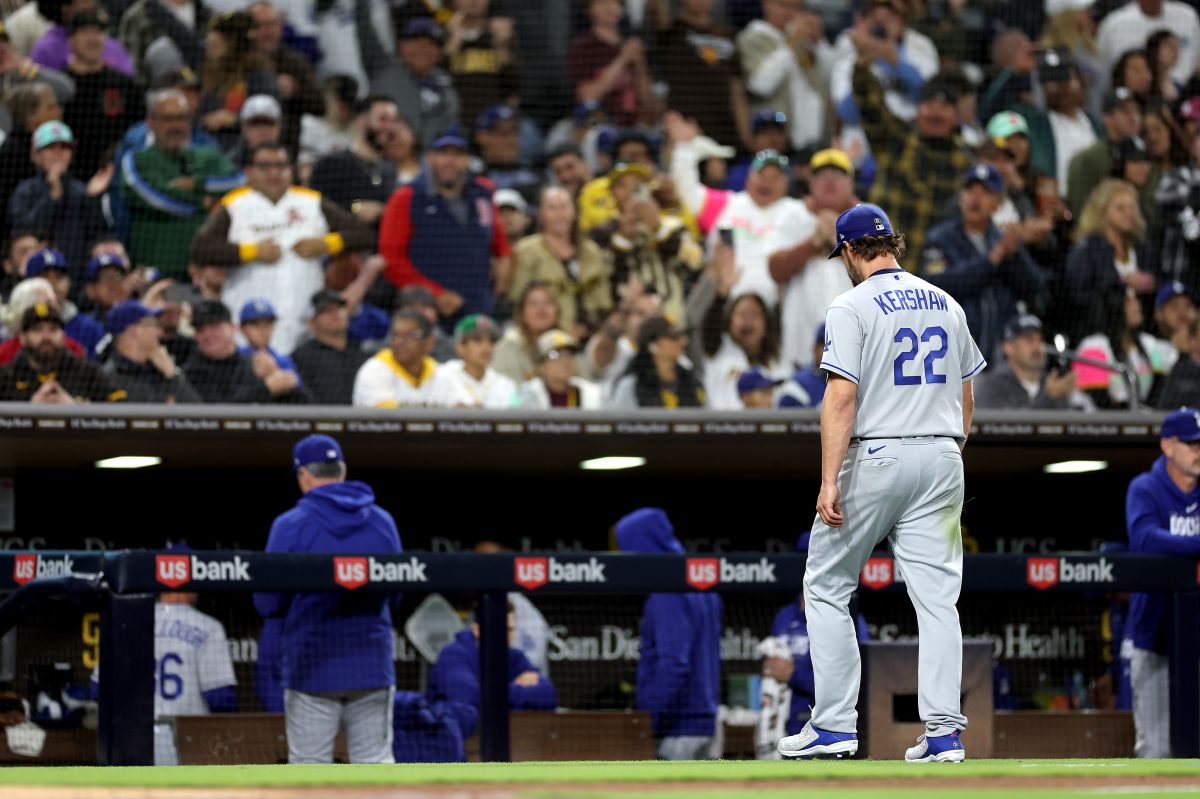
791,623
282,361
455,678
429,732
1162,520
679,672
988,294
338,640
268,681
87,331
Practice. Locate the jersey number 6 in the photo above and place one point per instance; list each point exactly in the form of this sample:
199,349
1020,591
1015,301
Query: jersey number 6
909,336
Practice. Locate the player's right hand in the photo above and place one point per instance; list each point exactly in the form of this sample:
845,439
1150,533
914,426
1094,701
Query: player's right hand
829,505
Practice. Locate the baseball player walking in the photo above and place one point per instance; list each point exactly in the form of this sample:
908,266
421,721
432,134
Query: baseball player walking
899,360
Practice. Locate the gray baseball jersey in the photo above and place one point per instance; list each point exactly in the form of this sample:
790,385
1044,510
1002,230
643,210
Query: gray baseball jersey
907,346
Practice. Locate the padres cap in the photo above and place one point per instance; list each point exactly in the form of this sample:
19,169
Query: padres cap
41,312
1183,424
316,449
863,219
555,341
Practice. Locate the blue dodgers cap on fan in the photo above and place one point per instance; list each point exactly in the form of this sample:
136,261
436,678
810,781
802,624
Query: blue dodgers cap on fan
126,314
43,261
255,310
1183,424
315,449
755,378
861,220
450,137
768,118
1166,292
102,261
494,115
985,175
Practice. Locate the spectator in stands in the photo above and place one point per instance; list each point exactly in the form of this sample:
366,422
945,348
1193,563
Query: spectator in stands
404,151
403,375
606,66
1178,200
514,213
361,178
481,58
31,105
1162,53
756,388
473,381
139,364
458,249
354,688
169,184
206,283
259,121
1065,129
30,292
1182,384
106,102
1161,516
294,75
1132,163
351,276
497,131
109,282
1132,72
148,25
699,60
1164,137
535,312
787,63
44,371
54,267
801,263
918,167
412,77
1022,380
18,247
678,674
532,634
421,300
55,200
327,362
1128,27
274,234
224,376
985,268
656,377
1174,310
1111,251
1122,119
139,136
1071,28
1135,359
768,131
611,348
455,676
234,69
333,130
569,168
596,201
572,264
805,388
53,49
257,321
737,333
555,382
646,246
17,70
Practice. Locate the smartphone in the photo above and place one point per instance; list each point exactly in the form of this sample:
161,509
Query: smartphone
726,236
879,32
179,292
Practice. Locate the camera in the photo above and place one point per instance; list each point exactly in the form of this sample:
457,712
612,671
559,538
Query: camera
878,31
1057,361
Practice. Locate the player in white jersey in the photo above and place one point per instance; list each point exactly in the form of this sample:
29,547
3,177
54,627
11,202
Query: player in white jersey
899,360
193,672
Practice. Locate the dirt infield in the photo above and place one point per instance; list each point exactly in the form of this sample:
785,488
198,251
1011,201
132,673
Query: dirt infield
1108,785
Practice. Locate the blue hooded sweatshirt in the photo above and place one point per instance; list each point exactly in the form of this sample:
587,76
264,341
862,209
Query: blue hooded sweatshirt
679,672
791,623
455,679
1162,520
334,640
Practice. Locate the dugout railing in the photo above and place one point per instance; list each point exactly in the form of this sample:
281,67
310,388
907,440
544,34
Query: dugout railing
123,586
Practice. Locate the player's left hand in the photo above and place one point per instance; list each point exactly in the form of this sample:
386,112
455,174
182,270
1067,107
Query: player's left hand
829,505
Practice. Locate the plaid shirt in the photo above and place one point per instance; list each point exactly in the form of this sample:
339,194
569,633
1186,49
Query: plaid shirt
915,177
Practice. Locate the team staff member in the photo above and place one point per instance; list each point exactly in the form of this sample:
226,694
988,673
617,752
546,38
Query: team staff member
336,648
1162,516
894,421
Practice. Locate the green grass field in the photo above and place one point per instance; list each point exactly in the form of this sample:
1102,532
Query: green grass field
715,780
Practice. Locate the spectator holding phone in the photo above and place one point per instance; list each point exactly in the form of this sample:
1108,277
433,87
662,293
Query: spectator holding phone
1023,380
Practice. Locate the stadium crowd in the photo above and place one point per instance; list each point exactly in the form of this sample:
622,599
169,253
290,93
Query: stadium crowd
503,203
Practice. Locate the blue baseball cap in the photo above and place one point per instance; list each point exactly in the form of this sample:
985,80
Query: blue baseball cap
755,378
102,262
766,117
45,260
127,313
1166,292
494,115
315,449
1020,325
987,176
254,310
863,219
587,108
1183,424
423,28
450,137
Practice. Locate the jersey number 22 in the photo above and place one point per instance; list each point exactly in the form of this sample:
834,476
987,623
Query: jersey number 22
906,335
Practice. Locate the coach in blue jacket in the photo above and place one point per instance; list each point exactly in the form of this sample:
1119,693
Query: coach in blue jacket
335,647
454,679
679,673
1162,514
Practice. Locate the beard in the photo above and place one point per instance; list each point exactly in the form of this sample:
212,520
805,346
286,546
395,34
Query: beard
851,269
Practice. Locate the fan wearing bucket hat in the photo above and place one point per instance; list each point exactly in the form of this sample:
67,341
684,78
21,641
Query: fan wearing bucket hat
55,199
473,383
45,371
986,268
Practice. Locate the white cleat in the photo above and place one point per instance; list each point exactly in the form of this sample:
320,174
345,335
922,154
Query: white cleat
939,749
812,742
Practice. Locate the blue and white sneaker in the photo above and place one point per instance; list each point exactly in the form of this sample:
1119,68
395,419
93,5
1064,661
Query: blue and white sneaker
939,749
811,742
